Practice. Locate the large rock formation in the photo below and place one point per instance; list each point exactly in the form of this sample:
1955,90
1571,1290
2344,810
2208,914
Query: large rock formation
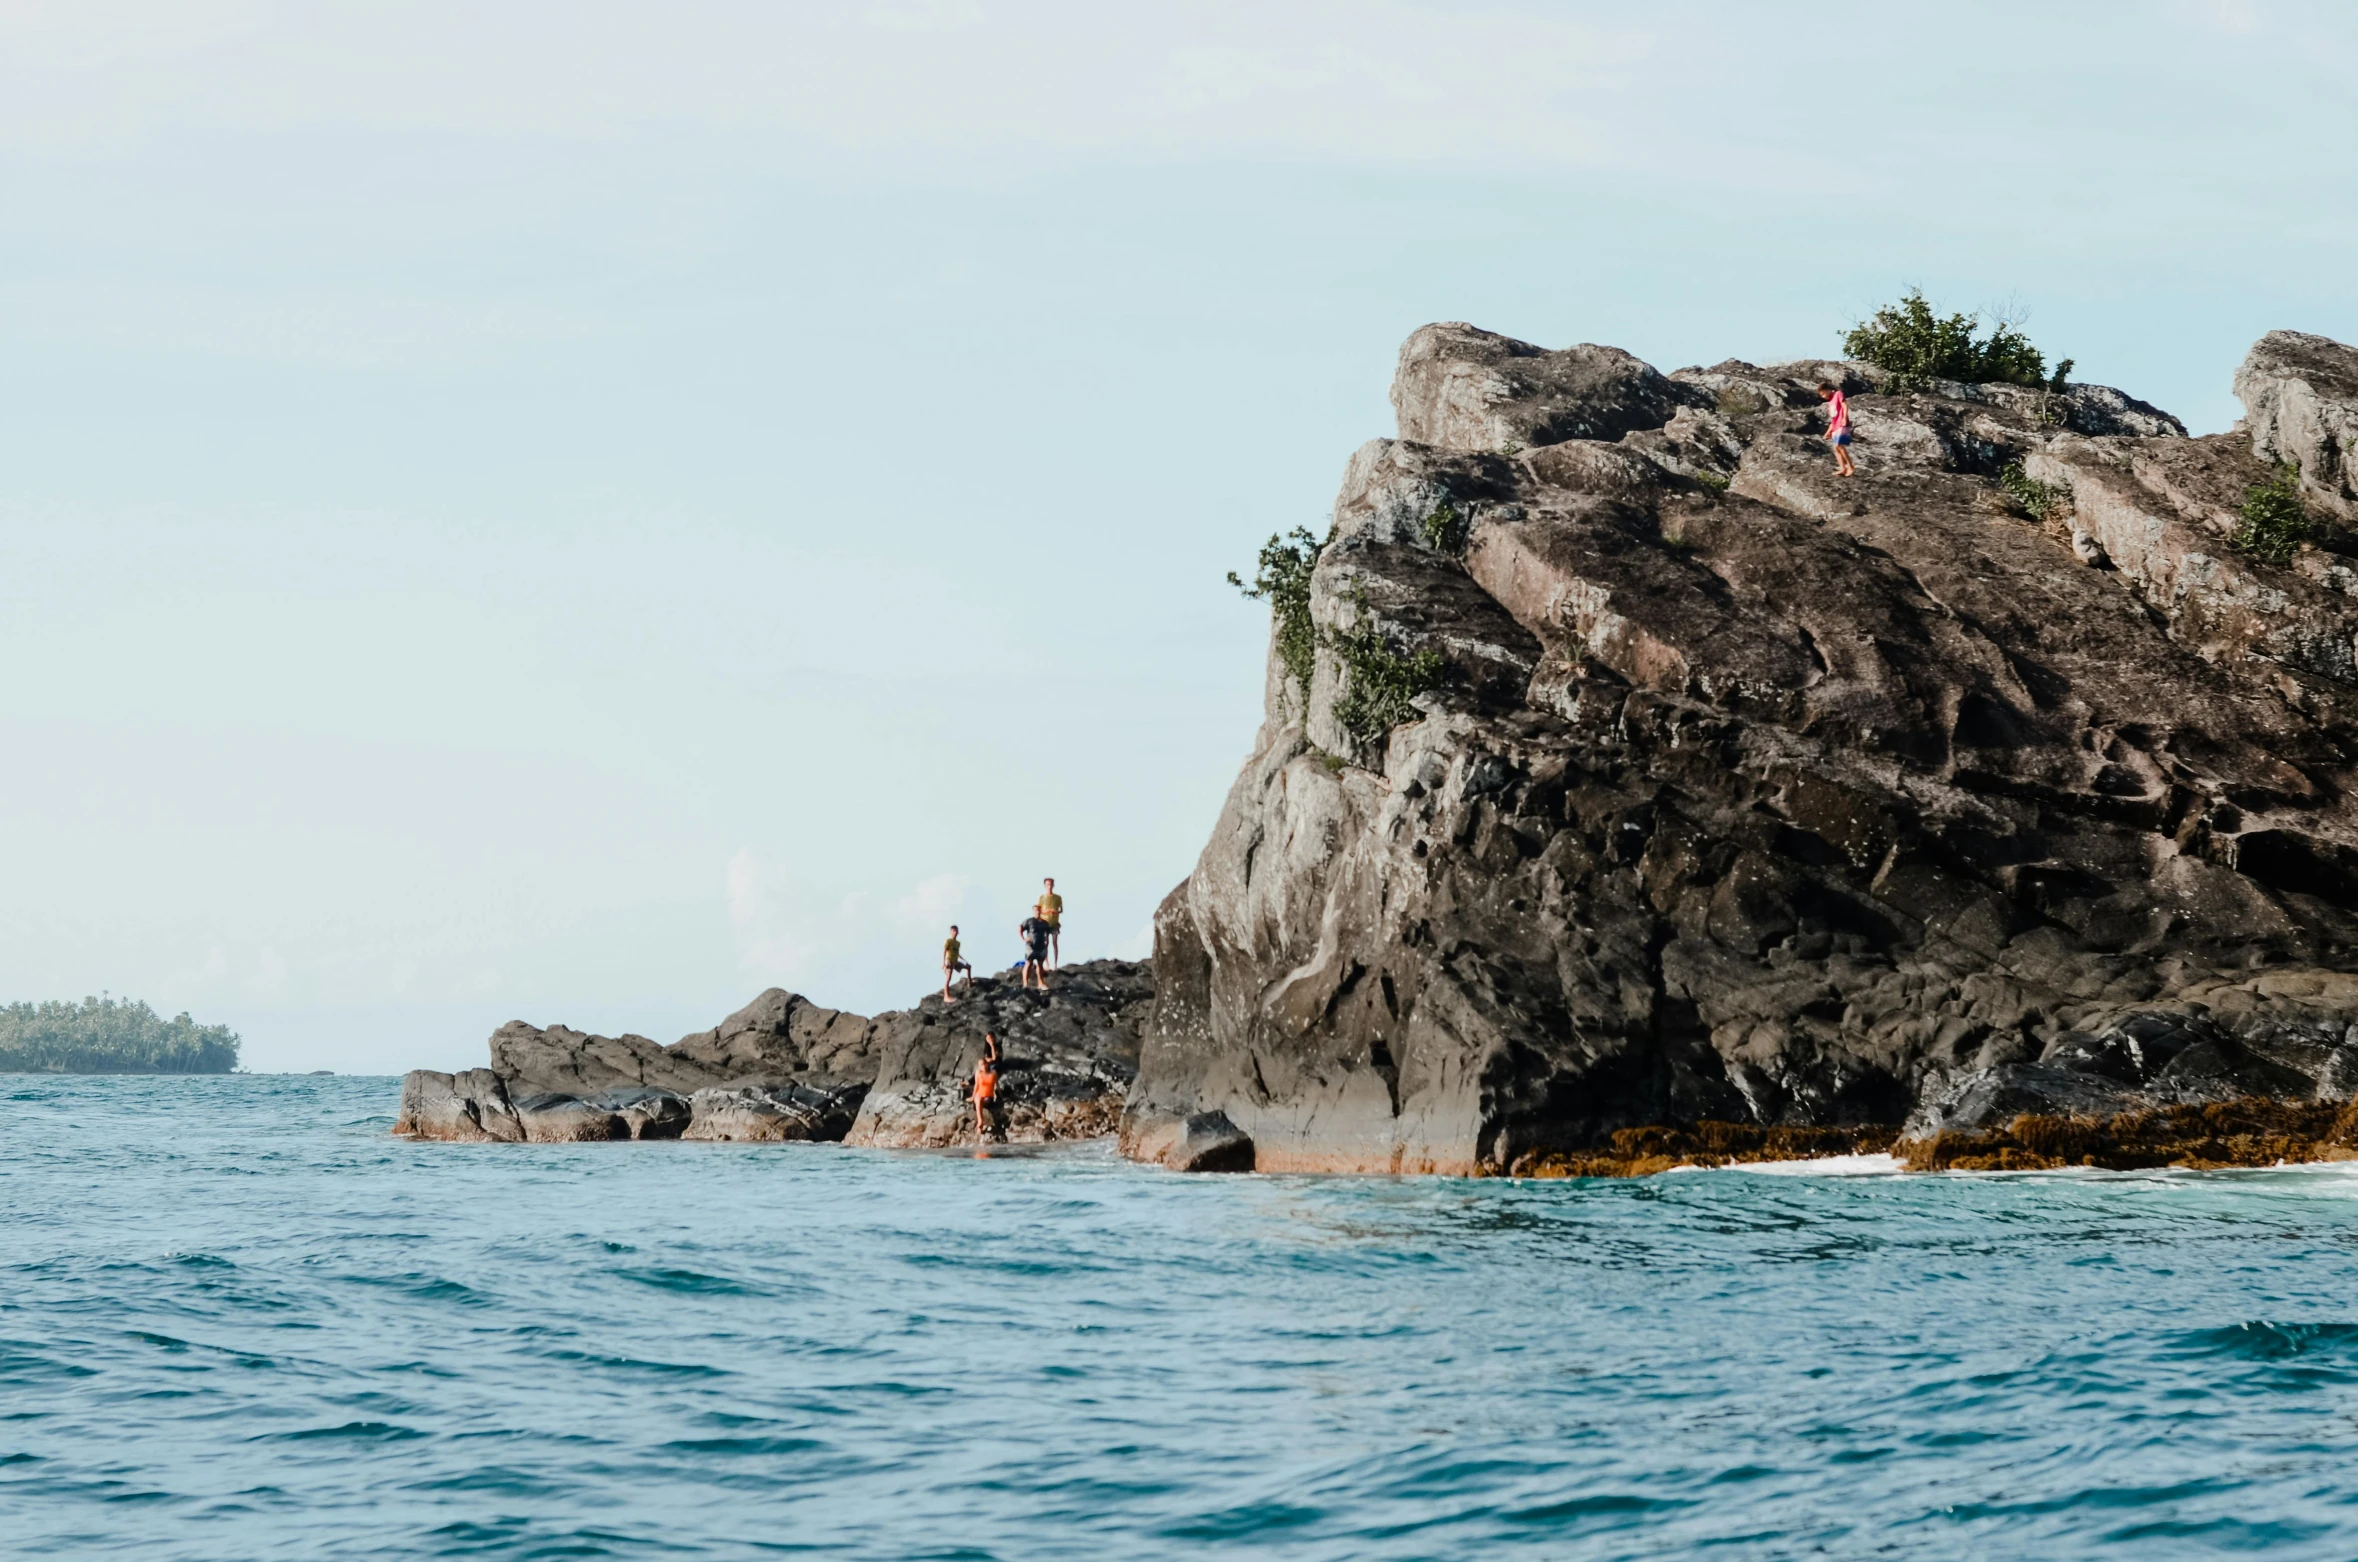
784,1069
1741,793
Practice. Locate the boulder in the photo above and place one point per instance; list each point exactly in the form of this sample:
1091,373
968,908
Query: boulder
789,1113
551,1118
1204,1142
1070,1054
2300,402
560,1060
1752,795
1463,388
471,1105
782,1036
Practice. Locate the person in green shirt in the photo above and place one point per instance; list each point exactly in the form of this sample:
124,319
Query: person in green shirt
1049,908
952,964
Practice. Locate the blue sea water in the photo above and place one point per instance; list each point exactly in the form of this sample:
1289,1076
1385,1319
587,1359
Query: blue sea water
238,1321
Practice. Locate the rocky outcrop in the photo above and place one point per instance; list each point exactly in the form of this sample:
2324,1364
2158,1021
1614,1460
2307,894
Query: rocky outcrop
1745,795
2300,399
472,1105
783,1069
1070,1054
774,1114
780,1038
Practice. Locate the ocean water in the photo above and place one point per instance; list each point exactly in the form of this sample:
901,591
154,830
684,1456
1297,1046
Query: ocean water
238,1321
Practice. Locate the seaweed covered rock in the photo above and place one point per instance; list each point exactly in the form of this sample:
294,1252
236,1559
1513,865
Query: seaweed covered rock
1732,791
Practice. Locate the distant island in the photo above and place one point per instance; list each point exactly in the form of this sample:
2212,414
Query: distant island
110,1036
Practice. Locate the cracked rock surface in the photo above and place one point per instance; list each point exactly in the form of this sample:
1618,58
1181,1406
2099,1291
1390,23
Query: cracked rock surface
1752,794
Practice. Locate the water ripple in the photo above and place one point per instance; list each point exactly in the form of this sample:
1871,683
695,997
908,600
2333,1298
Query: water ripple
238,1321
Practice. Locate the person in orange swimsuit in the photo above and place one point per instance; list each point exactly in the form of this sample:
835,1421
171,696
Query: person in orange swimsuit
988,1122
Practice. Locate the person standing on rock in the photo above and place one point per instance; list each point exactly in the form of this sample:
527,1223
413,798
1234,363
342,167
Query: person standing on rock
1049,908
952,965
1035,935
988,1121
1837,426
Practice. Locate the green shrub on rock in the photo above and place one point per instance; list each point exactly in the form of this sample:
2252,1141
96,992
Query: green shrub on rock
2041,501
1381,683
1445,530
2275,523
1917,345
1284,581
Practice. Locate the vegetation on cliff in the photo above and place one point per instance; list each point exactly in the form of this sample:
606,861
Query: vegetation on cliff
1917,345
2274,522
1283,579
110,1036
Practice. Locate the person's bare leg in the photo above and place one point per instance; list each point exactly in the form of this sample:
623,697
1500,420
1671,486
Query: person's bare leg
1056,950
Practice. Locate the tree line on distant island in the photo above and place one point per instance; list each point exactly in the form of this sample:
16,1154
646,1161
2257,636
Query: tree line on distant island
110,1036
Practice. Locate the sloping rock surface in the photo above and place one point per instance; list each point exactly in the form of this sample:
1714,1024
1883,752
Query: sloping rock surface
1756,795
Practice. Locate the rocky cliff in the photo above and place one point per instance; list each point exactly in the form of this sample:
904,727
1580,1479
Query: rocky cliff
1996,783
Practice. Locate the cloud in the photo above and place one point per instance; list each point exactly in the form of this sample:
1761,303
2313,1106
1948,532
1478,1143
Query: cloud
931,84
787,935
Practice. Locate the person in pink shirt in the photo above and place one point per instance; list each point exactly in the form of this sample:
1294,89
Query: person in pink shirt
1837,427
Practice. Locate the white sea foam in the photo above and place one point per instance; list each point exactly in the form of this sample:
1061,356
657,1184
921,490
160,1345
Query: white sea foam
1825,1166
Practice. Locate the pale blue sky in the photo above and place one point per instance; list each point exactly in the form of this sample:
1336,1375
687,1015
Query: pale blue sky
583,511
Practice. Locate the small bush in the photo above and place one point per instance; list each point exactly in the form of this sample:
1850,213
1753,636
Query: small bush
1283,580
1445,530
2042,501
2275,523
1382,682
1712,480
1916,345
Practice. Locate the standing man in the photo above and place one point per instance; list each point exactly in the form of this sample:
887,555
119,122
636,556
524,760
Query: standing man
1050,909
952,964
1034,934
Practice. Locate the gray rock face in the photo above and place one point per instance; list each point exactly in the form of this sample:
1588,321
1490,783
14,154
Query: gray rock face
784,1036
2300,402
472,1105
1069,1057
1462,388
791,1113
1755,794
563,1119
779,1038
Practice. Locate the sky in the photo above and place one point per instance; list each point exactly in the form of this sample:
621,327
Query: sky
584,511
